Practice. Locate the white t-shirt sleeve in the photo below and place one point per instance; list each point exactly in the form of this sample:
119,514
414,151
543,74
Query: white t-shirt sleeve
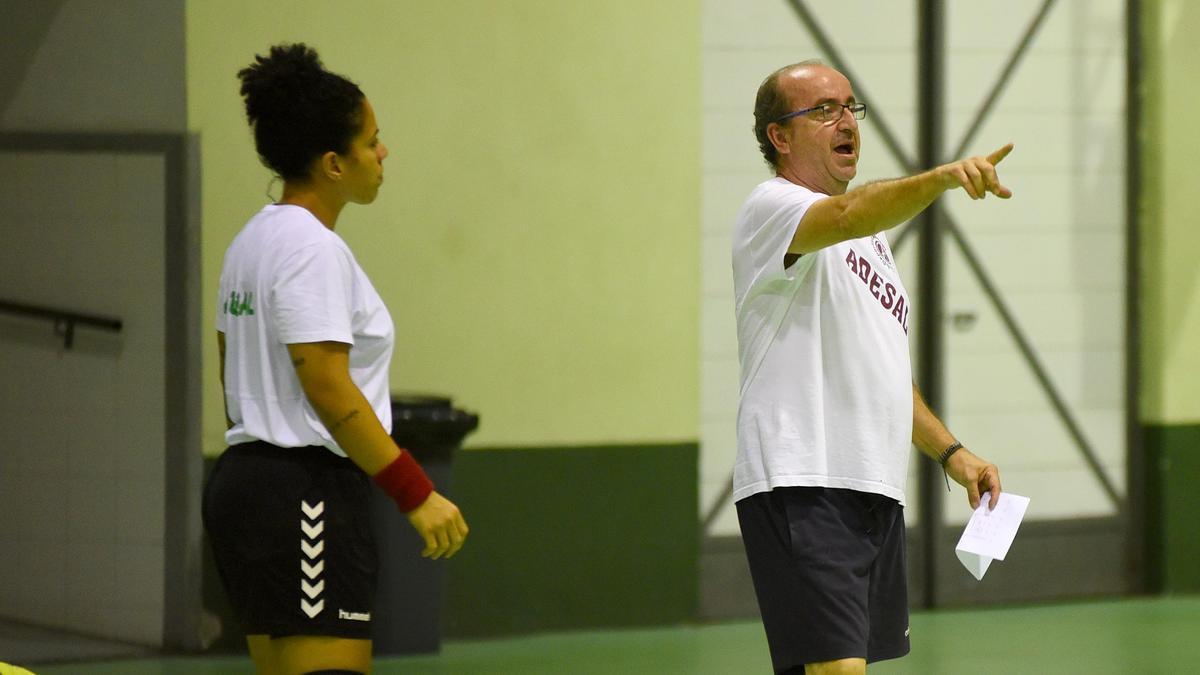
767,227
312,296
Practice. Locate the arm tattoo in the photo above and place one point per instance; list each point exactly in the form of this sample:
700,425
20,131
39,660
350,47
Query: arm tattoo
339,423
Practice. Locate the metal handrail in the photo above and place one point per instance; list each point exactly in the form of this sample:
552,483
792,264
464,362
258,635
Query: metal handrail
64,320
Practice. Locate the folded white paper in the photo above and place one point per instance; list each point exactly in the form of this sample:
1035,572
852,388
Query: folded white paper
989,534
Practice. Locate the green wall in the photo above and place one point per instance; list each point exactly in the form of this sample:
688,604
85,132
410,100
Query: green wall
537,243
568,538
1171,288
536,238
1173,453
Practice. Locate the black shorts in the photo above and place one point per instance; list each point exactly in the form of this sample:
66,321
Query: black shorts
829,572
290,529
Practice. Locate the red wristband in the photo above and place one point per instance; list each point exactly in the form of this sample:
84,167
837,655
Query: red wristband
404,481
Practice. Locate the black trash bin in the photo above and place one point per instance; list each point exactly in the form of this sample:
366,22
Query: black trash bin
407,618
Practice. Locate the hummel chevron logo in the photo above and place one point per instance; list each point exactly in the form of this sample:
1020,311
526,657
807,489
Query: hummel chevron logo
312,531
312,610
312,551
312,591
312,571
312,511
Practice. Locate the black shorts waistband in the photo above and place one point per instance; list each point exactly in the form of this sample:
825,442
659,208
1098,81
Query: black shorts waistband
303,453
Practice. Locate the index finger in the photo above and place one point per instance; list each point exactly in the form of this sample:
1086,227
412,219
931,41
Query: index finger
1000,154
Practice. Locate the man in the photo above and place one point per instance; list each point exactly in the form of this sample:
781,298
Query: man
828,408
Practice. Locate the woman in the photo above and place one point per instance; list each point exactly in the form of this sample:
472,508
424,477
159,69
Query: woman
305,343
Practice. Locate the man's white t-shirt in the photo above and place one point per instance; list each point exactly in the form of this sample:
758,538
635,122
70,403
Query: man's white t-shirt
826,385
288,279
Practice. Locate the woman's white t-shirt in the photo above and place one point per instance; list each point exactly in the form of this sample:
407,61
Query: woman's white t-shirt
288,279
826,382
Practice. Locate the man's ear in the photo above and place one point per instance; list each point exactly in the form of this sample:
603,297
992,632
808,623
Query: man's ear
331,166
778,139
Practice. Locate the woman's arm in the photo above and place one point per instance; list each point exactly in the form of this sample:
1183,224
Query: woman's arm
324,372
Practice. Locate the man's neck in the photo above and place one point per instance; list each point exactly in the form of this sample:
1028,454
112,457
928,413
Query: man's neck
792,176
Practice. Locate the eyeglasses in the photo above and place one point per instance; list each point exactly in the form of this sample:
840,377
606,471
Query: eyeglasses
830,112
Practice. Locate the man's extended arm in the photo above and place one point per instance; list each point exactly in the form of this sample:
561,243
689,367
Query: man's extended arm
932,438
881,205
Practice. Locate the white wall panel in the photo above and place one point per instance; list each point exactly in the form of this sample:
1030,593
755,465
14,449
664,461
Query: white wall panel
1077,24
714,254
718,401
727,24
1056,251
1055,319
723,193
84,432
1047,261
1044,202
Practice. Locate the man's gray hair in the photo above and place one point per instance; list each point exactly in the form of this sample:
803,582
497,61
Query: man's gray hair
771,104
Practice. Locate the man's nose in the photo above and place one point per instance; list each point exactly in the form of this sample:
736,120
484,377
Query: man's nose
847,119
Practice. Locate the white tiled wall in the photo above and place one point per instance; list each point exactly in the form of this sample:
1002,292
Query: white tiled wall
1055,250
82,507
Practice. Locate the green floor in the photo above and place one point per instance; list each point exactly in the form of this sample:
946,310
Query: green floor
1112,636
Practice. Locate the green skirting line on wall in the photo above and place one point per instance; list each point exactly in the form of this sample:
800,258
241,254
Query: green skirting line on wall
582,537
1173,458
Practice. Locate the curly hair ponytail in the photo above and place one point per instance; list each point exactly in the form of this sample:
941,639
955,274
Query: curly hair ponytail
298,110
